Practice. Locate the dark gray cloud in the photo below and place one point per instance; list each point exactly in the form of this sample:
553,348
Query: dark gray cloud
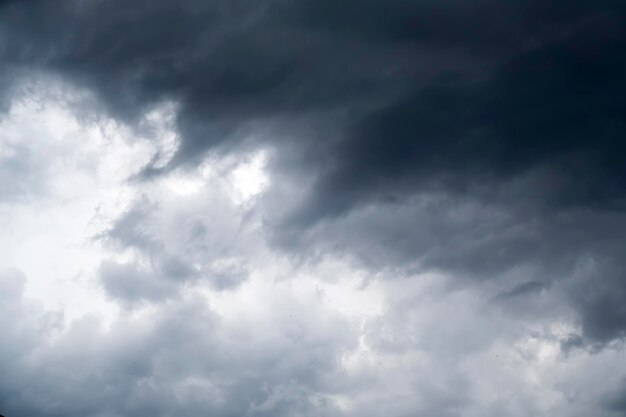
520,290
481,240
478,140
444,96
524,84
615,401
241,61
557,104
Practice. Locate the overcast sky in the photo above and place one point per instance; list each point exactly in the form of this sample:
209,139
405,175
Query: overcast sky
312,208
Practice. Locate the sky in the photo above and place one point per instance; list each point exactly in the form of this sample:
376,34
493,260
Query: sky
312,208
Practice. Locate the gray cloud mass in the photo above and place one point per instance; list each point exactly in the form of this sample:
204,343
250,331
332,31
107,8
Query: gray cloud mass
463,160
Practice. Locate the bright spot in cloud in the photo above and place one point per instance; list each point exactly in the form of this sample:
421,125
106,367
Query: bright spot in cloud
249,178
183,185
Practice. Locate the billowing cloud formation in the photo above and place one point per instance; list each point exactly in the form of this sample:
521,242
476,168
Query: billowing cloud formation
182,359
307,207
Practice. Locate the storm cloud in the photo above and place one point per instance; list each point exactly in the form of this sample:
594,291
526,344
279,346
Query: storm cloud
299,207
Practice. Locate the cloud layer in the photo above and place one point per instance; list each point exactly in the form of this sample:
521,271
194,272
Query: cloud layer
355,208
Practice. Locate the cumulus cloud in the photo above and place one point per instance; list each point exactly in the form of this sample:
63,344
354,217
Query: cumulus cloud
179,359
